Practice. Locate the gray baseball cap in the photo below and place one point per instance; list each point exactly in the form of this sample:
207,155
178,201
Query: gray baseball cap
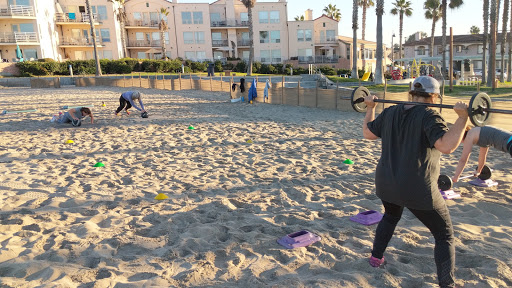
428,85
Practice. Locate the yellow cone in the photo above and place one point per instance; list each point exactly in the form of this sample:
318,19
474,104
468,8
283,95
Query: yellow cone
249,141
70,142
161,196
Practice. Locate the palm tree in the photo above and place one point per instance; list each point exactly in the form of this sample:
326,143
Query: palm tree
379,10
504,39
486,36
453,4
93,35
355,14
492,48
474,30
433,11
333,12
249,4
121,17
299,18
163,27
364,4
402,7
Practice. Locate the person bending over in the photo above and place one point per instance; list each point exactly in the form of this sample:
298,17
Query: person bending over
484,137
413,138
73,114
126,102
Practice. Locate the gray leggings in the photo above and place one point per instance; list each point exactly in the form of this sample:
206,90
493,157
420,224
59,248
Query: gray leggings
440,225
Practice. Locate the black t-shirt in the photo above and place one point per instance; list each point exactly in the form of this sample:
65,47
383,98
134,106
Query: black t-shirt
408,169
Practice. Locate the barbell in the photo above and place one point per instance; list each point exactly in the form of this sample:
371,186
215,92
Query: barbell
479,109
445,182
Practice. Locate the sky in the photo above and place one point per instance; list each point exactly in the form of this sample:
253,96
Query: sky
460,19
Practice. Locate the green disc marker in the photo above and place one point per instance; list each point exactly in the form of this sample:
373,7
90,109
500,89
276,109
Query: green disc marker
99,164
191,127
348,161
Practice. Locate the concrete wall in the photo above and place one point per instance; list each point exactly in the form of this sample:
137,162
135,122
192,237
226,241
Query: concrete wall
9,69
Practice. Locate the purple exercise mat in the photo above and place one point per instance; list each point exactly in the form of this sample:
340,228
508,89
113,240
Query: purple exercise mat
367,218
449,194
483,183
298,239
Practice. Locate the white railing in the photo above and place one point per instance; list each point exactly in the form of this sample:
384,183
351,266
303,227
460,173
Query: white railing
144,43
74,17
142,23
229,23
18,10
318,59
71,41
18,37
321,40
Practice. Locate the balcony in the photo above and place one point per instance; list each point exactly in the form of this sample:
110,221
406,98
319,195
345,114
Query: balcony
134,44
318,59
137,24
17,11
325,40
75,18
79,42
220,43
29,38
229,23
244,43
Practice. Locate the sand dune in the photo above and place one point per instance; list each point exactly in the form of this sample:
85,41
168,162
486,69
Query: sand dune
65,223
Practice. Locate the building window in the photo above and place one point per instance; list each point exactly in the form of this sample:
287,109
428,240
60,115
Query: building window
304,35
141,55
275,36
215,18
305,55
265,56
323,24
30,54
216,36
274,17
153,17
155,38
244,17
198,17
263,16
105,35
308,34
330,35
245,54
218,55
102,13
300,35
276,56
348,52
459,48
188,37
439,50
199,37
421,50
186,18
201,55
264,37
190,55
107,54
480,49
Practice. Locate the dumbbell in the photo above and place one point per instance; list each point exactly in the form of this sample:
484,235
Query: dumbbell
446,183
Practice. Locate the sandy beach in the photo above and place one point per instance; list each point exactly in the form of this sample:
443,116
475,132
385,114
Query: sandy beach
65,223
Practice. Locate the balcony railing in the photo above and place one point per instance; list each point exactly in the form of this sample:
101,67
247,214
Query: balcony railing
18,37
322,40
219,43
142,23
71,41
317,59
229,23
82,18
144,43
244,42
18,10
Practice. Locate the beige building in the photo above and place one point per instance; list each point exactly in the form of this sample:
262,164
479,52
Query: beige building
60,29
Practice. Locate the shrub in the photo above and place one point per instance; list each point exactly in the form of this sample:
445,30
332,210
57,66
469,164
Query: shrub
228,66
198,66
44,60
256,67
218,66
327,70
343,71
241,66
133,63
29,68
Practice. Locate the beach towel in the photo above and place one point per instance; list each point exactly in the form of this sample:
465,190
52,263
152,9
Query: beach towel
252,91
265,91
242,85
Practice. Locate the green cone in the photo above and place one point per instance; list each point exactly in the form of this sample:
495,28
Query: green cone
191,127
348,161
99,164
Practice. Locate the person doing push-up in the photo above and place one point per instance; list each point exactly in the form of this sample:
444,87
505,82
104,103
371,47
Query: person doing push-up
484,137
126,102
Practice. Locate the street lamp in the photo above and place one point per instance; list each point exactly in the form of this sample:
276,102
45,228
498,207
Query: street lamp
392,51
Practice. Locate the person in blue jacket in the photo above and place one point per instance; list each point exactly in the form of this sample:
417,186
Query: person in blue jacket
126,101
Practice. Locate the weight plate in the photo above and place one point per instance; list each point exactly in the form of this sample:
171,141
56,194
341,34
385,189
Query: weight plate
444,183
486,173
357,100
477,116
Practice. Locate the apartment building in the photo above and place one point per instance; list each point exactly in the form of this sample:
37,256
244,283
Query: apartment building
60,29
